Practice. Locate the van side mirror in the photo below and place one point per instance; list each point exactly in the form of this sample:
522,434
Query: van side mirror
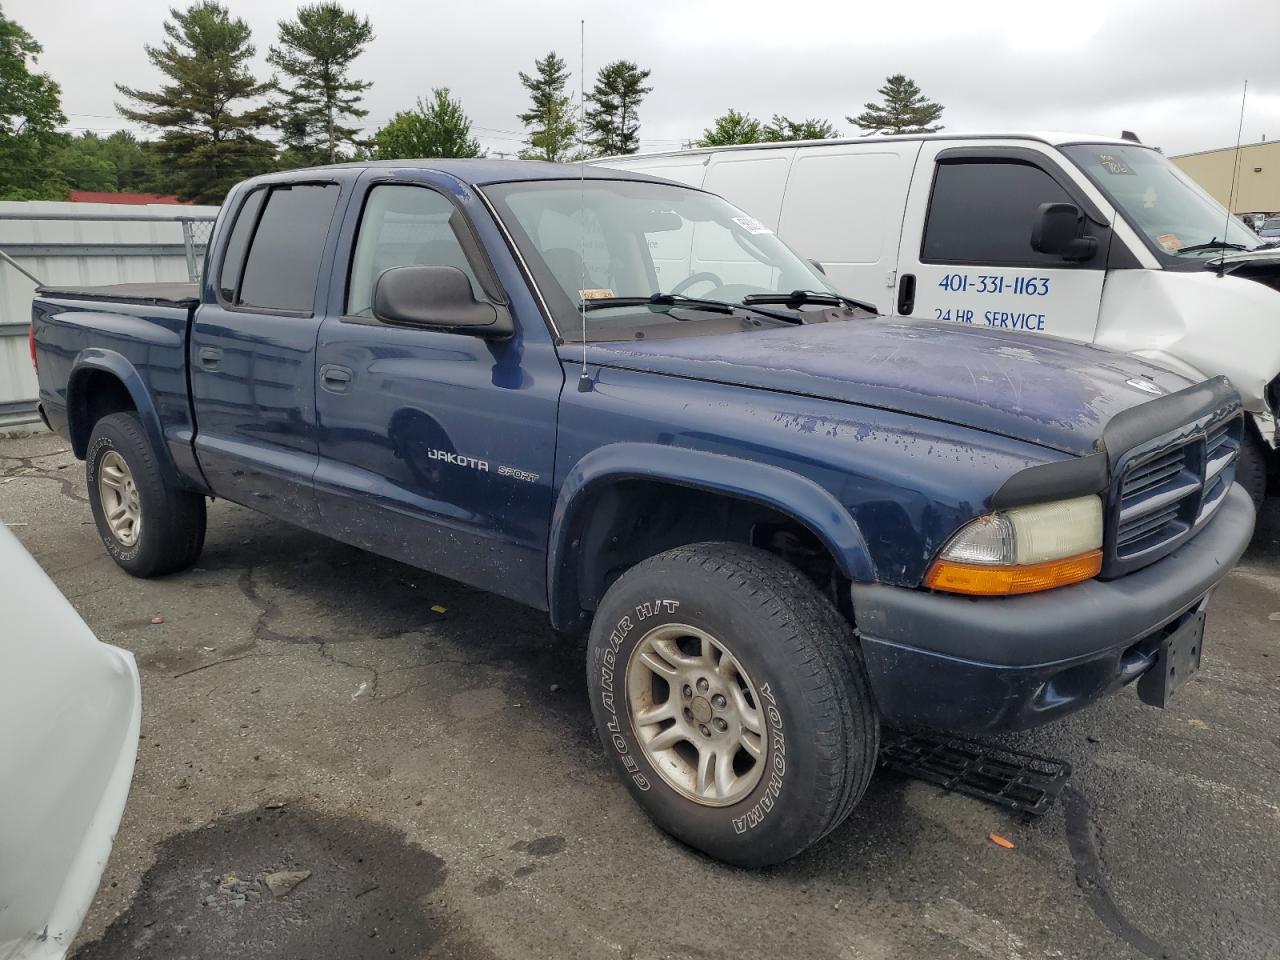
439,298
1059,231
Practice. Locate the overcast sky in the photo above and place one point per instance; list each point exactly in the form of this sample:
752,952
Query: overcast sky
1171,70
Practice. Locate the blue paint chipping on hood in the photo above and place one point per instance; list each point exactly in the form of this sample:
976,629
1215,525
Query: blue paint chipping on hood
1039,389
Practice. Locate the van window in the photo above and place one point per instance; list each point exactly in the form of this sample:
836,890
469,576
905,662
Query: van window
403,226
984,212
238,243
284,259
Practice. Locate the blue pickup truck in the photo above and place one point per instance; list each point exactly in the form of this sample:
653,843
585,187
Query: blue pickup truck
782,519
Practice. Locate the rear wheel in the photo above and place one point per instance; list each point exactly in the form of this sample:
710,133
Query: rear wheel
149,527
732,699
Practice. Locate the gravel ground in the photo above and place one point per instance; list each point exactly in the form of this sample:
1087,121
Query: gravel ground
426,753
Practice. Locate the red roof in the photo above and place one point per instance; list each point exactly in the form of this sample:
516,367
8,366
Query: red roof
134,199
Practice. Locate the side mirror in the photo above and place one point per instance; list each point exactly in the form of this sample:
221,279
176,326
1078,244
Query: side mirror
819,267
1059,231
439,298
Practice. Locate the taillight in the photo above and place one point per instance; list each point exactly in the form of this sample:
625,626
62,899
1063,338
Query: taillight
31,340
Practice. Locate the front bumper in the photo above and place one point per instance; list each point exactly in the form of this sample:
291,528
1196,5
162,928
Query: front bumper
984,664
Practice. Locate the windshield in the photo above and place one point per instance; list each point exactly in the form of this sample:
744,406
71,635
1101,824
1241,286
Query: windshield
601,241
1180,220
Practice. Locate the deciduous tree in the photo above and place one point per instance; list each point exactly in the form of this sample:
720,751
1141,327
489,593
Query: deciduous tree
905,110
732,128
205,109
437,128
613,117
553,132
30,114
114,163
782,128
314,53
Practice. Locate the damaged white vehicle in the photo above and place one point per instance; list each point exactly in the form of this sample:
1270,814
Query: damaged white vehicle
70,708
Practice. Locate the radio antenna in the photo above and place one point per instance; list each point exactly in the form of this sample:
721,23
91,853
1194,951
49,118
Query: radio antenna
584,379
1231,193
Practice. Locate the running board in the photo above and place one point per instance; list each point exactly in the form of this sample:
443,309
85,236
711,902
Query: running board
1009,778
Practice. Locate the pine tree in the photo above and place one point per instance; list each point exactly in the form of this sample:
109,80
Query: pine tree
905,110
315,52
30,114
205,146
732,128
553,132
782,128
439,128
613,117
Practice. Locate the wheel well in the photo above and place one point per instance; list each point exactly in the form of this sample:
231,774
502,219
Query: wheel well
94,395
628,521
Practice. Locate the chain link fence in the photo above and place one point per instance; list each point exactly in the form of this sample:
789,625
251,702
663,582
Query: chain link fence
196,233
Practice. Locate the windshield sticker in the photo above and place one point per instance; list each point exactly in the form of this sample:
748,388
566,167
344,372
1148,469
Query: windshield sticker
600,293
752,225
1115,166
1169,242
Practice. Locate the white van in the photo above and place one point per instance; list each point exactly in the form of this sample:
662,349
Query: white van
1088,238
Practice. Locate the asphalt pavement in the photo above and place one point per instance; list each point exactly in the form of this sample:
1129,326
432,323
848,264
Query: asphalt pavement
424,754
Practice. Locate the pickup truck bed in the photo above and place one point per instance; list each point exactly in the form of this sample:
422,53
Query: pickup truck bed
147,294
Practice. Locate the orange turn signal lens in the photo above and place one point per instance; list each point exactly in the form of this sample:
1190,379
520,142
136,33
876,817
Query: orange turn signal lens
985,580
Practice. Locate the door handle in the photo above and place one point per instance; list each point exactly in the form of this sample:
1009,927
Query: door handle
906,294
335,378
209,357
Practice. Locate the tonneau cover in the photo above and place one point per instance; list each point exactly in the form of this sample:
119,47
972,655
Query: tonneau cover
160,294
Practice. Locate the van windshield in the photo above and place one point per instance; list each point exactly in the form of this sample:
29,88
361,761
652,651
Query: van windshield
1181,221
688,255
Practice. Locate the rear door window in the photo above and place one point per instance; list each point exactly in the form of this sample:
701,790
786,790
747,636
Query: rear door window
283,265
983,213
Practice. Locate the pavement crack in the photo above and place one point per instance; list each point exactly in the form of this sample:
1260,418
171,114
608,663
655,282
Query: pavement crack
1092,880
268,611
26,468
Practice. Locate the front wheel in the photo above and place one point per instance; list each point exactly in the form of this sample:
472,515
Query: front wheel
732,699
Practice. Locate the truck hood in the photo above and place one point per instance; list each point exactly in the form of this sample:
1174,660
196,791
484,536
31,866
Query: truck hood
1051,392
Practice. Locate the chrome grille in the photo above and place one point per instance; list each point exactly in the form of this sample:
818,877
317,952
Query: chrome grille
1164,495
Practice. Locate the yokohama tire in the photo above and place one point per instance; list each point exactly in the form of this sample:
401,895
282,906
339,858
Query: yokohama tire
772,633
169,531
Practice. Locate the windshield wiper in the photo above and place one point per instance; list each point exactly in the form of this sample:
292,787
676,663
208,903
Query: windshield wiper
669,300
659,300
799,298
1214,244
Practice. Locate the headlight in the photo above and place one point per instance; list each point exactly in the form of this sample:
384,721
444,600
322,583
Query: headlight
1023,550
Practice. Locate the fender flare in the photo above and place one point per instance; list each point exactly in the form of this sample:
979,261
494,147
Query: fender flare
109,361
785,491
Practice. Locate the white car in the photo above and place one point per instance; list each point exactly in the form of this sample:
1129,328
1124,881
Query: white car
70,709
1093,239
